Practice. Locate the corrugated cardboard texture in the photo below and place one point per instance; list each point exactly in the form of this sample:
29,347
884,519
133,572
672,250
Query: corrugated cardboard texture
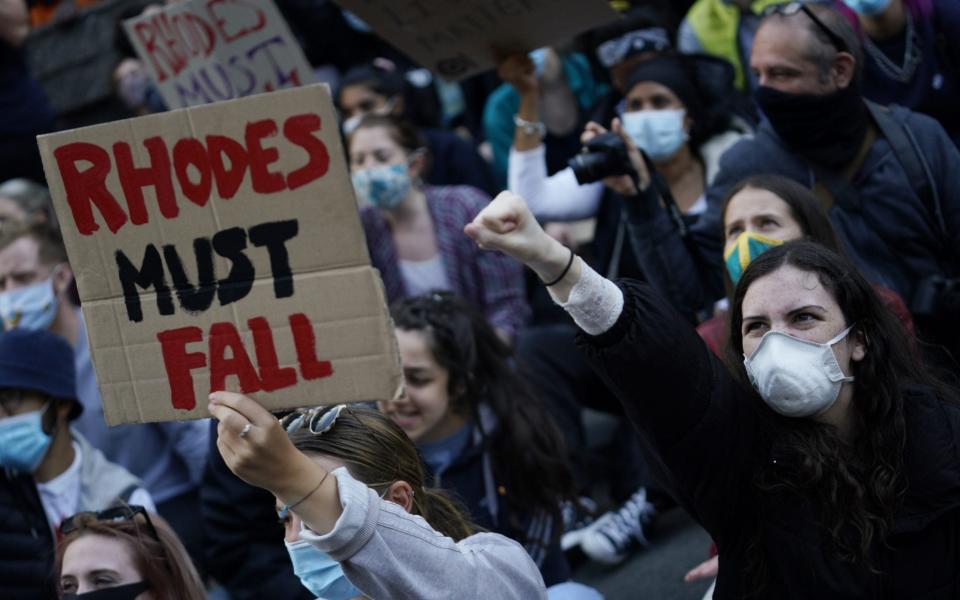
459,39
333,284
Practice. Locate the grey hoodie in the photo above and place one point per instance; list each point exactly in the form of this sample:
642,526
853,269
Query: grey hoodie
388,553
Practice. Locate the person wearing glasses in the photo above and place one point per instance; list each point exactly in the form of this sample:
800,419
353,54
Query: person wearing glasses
725,29
888,177
48,470
122,553
823,458
911,54
359,517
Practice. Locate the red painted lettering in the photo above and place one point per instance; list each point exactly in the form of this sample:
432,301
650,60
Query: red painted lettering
133,179
228,178
224,336
299,129
236,18
263,180
306,345
272,377
171,37
146,32
88,187
205,38
190,152
179,363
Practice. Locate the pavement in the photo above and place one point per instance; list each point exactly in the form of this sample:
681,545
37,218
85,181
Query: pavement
677,544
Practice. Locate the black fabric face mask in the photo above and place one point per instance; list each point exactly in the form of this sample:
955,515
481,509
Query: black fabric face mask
826,130
127,591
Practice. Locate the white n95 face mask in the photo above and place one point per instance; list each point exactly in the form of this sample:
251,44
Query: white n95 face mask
795,377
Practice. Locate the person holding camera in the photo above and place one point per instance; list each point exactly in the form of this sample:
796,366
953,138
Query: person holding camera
674,109
664,113
888,177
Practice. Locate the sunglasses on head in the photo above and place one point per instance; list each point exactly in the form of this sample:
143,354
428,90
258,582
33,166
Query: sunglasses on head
612,52
317,420
117,513
792,8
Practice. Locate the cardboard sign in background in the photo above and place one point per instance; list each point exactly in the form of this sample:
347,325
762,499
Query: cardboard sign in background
202,51
459,39
185,227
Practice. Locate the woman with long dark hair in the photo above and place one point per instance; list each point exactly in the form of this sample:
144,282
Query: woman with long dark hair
826,465
481,431
764,211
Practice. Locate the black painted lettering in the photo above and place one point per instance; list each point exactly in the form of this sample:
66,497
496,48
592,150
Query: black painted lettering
150,274
274,236
230,244
193,298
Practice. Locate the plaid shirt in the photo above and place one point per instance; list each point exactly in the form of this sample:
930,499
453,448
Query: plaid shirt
490,280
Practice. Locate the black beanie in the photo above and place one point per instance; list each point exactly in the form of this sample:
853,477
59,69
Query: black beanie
674,72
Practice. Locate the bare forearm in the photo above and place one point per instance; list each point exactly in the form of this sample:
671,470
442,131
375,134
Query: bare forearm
318,507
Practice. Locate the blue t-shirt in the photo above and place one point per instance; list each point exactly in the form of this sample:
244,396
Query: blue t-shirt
439,455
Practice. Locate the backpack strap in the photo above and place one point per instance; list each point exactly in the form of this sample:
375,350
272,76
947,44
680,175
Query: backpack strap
908,154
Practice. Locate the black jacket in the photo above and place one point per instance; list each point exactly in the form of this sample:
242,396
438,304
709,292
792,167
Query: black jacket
27,550
471,480
707,434
245,550
899,237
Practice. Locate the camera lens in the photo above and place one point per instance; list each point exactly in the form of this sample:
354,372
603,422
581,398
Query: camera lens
589,167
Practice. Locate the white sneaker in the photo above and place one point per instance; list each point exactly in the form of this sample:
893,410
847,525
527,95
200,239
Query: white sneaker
577,517
611,538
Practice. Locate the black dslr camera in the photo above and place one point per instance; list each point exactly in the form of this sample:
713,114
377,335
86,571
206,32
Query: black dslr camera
603,156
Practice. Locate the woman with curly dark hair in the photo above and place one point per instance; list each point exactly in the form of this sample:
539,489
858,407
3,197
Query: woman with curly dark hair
481,431
827,465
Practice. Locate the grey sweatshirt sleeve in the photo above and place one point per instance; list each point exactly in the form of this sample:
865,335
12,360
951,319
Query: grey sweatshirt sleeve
388,553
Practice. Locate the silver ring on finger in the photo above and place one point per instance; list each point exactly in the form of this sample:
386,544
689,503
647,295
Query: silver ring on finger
245,430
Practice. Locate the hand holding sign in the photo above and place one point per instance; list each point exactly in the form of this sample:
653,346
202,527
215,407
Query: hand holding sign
263,456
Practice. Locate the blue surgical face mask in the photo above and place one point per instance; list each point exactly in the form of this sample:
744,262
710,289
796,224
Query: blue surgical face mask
23,443
319,573
32,307
384,187
659,133
868,8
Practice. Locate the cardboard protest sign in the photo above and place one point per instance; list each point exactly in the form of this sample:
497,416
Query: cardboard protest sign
219,247
203,51
459,39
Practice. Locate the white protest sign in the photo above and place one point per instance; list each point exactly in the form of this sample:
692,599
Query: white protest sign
203,51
